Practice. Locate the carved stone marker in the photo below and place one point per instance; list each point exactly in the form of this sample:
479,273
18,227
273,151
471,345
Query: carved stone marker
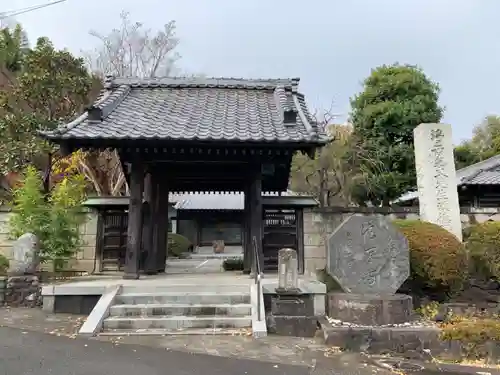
436,177
367,255
25,255
288,281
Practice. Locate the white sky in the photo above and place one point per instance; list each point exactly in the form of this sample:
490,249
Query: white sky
330,44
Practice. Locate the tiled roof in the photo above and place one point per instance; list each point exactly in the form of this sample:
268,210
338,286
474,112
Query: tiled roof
264,110
484,178
486,172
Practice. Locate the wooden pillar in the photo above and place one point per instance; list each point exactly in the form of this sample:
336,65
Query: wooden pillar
150,243
247,238
146,233
161,233
256,227
134,231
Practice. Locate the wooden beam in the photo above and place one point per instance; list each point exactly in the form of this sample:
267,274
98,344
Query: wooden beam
134,232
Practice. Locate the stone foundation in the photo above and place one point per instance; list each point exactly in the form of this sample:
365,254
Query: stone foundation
292,315
406,340
370,310
20,291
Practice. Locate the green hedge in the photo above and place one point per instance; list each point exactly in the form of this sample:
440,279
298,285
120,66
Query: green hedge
438,260
4,264
483,245
178,245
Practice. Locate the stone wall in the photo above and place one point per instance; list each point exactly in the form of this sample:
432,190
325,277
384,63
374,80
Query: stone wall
85,258
320,223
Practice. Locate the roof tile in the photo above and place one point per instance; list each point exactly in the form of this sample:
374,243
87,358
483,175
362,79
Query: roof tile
197,109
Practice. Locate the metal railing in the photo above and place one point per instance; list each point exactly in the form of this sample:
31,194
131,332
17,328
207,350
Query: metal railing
258,275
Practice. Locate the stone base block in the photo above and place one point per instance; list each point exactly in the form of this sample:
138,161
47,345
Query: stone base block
292,305
297,326
407,341
370,310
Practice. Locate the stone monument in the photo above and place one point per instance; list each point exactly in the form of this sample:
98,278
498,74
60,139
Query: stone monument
288,268
436,177
25,256
23,287
370,260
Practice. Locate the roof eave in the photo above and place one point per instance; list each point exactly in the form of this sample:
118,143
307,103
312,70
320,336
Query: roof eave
60,138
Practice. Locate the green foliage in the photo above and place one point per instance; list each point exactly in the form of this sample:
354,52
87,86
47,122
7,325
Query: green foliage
4,264
472,333
484,144
395,99
31,215
329,175
178,245
52,87
13,48
65,218
233,264
429,311
55,221
438,260
483,245
465,155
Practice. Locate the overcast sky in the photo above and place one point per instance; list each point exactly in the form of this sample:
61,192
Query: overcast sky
330,44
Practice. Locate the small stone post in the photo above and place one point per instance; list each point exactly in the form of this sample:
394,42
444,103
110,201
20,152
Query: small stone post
22,288
436,177
288,281
292,310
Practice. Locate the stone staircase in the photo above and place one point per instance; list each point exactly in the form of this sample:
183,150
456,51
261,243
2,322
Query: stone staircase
180,309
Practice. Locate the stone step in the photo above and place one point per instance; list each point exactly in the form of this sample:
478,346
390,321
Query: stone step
175,322
186,288
181,309
200,298
214,256
178,332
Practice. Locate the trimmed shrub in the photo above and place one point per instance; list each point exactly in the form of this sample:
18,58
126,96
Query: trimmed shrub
4,264
233,264
438,260
178,245
474,334
483,246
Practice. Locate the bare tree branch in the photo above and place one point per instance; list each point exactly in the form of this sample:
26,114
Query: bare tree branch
130,50
134,51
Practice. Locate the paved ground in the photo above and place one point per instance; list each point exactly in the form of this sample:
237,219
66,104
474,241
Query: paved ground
275,355
23,352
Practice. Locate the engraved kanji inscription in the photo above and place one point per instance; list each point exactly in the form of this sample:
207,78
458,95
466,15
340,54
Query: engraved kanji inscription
367,255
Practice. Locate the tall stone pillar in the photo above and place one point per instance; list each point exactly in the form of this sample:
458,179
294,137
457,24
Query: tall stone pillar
436,177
